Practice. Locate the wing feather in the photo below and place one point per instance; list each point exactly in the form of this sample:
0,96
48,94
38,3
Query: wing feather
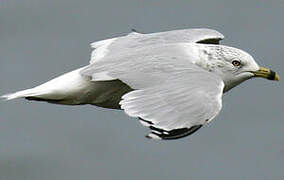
173,96
109,47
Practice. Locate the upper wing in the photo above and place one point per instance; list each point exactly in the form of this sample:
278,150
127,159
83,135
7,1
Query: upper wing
172,96
178,107
133,40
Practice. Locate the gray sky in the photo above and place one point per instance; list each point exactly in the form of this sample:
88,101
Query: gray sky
42,39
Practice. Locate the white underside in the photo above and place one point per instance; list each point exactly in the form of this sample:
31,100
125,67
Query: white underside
72,88
69,84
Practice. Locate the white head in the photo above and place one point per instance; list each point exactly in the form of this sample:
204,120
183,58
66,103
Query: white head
233,65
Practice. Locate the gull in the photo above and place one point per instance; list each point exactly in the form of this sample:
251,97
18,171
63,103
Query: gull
172,81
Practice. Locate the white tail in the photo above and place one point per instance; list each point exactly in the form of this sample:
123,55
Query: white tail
21,94
65,89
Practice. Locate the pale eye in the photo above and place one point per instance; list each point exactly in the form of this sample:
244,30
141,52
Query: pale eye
236,63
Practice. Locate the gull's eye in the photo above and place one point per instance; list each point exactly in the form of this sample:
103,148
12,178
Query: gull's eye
236,63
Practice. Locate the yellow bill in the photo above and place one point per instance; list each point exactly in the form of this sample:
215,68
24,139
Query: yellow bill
267,74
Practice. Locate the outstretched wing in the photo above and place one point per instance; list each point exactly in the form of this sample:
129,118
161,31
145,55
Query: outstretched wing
172,96
110,47
178,107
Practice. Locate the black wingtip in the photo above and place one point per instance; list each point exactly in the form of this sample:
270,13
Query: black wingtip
147,136
134,30
210,41
153,135
145,122
172,134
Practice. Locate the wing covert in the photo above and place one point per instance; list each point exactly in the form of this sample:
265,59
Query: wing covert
134,40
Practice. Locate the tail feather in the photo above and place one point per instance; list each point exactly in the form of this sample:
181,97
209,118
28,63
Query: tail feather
21,94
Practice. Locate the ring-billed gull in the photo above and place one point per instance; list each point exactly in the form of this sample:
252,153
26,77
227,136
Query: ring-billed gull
172,81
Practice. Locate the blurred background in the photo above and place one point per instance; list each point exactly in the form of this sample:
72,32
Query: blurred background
40,40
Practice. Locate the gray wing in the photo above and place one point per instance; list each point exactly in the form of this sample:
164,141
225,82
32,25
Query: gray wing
134,40
172,96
